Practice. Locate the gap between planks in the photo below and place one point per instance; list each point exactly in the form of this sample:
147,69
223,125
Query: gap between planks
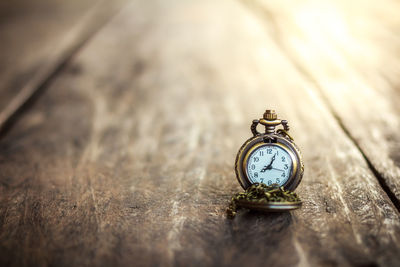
93,21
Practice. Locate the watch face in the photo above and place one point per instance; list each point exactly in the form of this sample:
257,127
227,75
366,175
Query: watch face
269,164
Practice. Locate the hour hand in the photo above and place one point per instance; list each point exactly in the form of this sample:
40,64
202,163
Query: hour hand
264,169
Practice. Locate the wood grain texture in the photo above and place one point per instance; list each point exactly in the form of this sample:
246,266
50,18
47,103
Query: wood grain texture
350,52
38,37
127,159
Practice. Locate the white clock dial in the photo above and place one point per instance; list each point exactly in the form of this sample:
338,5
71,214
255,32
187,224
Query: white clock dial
269,164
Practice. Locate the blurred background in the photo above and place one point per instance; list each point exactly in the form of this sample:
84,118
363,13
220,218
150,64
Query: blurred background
120,122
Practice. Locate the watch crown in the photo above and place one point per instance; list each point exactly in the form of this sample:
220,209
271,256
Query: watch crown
270,115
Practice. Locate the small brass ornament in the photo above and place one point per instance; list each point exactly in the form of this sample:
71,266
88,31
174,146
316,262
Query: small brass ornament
269,167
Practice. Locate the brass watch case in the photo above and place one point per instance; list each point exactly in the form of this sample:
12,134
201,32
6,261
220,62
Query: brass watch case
274,139
270,206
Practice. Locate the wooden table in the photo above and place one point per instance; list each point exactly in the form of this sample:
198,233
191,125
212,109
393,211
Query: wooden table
120,122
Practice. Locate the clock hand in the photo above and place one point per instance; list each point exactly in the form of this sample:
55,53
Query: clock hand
272,161
269,166
264,169
278,169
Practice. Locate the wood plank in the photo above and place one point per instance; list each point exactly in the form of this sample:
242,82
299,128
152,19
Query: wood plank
128,158
37,38
350,51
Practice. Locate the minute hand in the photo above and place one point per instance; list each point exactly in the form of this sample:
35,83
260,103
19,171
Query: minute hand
269,166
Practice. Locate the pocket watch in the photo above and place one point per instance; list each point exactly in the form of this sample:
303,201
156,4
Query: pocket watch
271,158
